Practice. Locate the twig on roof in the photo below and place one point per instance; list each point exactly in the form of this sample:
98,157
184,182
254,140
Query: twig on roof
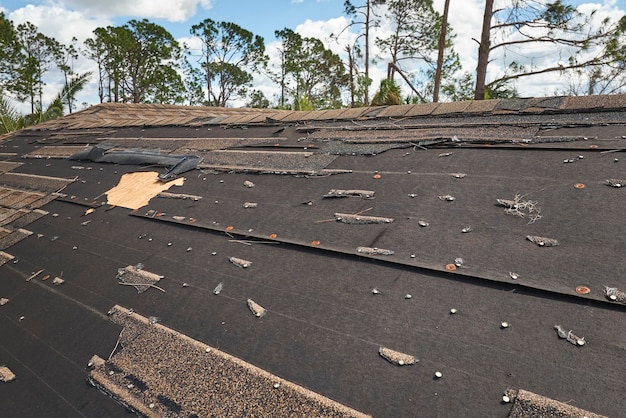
116,344
32,276
142,284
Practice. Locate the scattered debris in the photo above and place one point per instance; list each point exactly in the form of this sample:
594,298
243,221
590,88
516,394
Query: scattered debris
412,195
542,241
397,358
615,183
445,154
179,218
459,262
153,319
248,184
504,324
57,281
526,404
4,301
85,223
375,291
6,375
447,198
458,175
218,288
250,205
527,209
347,218
88,212
366,194
240,262
408,296
256,309
467,229
373,251
423,224
513,276
614,294
569,336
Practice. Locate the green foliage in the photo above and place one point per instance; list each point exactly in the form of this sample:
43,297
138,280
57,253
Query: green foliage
258,100
230,55
10,119
388,94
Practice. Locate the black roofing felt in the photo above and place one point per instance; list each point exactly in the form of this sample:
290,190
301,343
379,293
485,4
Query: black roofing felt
324,324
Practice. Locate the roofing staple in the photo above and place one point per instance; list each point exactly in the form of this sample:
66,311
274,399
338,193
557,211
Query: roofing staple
255,308
373,251
347,218
569,336
542,241
396,357
614,294
366,194
240,262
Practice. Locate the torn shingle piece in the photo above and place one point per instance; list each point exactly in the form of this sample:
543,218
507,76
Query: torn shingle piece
569,336
4,301
250,205
255,308
617,183
137,277
218,288
542,241
6,375
168,195
348,218
5,258
248,184
396,357
615,295
374,251
239,262
528,404
366,194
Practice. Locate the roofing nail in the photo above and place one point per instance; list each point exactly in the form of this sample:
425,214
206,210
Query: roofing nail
412,255
412,195
207,350
189,249
438,375
423,224
169,244
408,296
22,318
467,229
513,276
616,160
276,385
213,253
185,285
504,324
453,311
375,291
506,399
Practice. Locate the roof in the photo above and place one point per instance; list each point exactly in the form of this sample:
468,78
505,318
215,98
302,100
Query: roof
444,259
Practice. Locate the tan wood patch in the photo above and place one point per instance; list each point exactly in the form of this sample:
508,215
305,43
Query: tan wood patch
136,189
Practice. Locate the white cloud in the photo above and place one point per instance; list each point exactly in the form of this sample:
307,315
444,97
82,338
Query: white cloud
171,10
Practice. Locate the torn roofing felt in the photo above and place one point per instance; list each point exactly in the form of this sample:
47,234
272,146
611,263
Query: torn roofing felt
337,283
177,164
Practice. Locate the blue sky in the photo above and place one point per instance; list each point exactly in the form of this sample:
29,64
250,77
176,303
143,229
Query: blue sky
64,19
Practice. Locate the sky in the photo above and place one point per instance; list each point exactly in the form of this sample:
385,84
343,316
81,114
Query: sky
64,19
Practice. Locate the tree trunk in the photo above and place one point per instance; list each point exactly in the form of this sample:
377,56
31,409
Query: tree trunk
367,53
483,52
442,47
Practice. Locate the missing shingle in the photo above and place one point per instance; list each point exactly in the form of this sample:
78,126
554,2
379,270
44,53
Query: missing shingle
374,251
396,357
255,308
569,336
542,241
615,295
527,209
366,194
347,218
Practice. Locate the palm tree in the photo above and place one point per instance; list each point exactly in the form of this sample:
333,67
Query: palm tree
73,86
10,119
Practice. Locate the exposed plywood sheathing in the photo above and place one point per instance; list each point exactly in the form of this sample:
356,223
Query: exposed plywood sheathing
56,151
160,372
135,190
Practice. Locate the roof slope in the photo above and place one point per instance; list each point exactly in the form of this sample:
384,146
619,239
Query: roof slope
468,237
